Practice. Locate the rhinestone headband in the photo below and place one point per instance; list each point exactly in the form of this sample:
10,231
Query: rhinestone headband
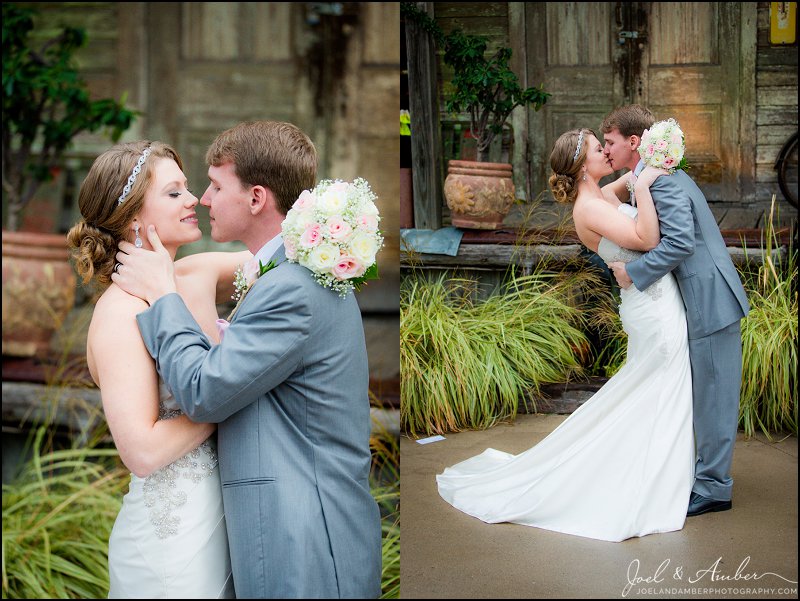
578,148
132,179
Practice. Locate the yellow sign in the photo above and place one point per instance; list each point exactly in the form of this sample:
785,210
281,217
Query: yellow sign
782,22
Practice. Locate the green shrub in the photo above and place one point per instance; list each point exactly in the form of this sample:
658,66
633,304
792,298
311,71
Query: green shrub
57,517
59,512
465,363
385,484
769,342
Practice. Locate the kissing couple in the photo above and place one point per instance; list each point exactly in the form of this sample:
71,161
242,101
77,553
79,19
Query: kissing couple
249,452
655,444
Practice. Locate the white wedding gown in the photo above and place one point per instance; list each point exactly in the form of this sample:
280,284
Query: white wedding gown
169,540
620,466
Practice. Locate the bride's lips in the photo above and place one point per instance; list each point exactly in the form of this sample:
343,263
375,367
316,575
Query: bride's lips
190,218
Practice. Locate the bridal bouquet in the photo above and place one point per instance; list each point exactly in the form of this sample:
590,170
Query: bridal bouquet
333,231
663,146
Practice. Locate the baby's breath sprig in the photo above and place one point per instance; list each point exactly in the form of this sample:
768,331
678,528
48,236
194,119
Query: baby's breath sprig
239,283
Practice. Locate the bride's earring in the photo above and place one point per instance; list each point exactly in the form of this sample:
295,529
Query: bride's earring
584,176
138,241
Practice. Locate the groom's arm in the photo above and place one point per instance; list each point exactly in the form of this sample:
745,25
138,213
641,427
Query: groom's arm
261,348
677,234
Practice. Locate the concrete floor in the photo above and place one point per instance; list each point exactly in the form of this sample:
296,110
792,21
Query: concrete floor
747,552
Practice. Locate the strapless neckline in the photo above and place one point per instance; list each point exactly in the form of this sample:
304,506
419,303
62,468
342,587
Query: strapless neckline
610,251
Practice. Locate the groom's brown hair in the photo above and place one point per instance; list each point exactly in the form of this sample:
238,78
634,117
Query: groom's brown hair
273,154
630,120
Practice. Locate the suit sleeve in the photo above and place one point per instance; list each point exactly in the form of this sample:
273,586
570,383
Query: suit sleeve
677,234
261,348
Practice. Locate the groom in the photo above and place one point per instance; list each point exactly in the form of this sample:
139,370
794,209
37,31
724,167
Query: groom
288,384
693,249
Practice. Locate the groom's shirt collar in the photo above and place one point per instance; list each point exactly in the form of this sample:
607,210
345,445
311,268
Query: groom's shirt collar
638,169
269,249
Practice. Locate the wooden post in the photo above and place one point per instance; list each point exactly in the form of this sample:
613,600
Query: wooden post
426,158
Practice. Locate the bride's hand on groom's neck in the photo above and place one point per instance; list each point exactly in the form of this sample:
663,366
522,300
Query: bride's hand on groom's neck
148,274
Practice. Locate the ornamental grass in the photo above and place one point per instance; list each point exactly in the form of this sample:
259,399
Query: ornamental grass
769,341
385,485
59,510
57,517
465,363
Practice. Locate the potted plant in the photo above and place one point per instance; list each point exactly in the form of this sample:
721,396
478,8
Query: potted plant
479,193
45,106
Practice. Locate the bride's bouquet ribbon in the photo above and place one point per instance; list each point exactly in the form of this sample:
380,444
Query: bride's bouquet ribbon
332,230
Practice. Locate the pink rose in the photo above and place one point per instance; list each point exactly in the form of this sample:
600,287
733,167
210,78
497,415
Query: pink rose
650,150
222,327
338,228
312,235
304,201
348,267
367,222
661,145
669,162
250,270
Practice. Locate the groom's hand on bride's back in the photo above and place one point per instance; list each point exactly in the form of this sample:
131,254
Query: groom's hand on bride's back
621,274
148,274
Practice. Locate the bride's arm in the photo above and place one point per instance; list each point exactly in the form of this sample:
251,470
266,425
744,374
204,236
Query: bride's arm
128,382
602,218
220,266
617,192
647,219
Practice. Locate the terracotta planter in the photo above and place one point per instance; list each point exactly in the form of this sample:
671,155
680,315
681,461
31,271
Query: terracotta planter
479,194
38,291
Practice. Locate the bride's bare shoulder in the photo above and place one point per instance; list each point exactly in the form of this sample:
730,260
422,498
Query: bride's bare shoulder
591,205
116,304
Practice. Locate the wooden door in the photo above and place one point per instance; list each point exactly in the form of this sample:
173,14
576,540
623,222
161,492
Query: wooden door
571,49
681,59
690,63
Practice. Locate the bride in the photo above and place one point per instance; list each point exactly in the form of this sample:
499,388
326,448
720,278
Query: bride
622,465
169,539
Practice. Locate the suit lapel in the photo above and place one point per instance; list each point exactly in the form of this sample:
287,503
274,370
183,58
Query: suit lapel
279,256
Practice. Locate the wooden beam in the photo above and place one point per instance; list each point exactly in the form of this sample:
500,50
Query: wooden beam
426,159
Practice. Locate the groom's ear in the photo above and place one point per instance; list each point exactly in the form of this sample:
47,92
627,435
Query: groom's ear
261,198
635,141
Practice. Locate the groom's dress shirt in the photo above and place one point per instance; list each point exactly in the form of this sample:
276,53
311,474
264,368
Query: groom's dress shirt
269,249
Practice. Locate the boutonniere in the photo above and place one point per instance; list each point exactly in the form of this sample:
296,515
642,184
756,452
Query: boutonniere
244,278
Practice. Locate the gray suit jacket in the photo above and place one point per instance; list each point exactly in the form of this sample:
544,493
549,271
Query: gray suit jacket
288,387
692,245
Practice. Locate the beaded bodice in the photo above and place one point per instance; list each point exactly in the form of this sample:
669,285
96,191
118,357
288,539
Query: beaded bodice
166,489
610,251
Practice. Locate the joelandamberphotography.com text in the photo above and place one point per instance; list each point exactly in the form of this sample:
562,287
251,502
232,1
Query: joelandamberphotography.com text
675,579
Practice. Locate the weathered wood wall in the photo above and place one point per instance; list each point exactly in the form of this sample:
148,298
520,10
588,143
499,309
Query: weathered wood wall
773,104
196,68
776,105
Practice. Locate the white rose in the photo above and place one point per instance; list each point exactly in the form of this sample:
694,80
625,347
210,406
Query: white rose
323,258
676,152
363,247
658,159
368,208
334,199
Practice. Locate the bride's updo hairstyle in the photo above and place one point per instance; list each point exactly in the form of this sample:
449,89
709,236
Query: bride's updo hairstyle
106,221
566,161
